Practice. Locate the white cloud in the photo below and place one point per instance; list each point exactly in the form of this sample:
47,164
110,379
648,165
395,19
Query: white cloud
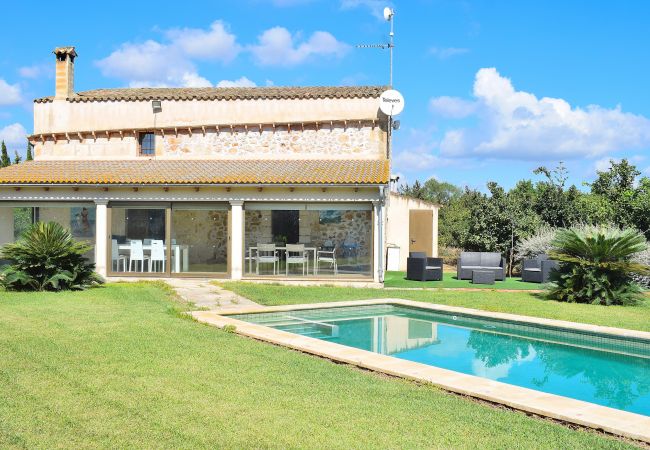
193,79
14,136
10,94
413,160
452,107
414,151
149,61
152,63
277,47
603,164
240,82
517,125
37,71
448,52
217,43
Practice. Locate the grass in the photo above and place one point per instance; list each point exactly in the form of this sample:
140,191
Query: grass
524,303
117,367
449,280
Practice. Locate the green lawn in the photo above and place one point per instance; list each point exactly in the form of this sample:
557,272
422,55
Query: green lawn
524,303
118,367
449,280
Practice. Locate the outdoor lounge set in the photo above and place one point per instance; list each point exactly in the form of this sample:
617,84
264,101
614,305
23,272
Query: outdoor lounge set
538,269
419,267
480,267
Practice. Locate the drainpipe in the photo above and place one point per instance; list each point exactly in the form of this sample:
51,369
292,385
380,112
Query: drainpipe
380,218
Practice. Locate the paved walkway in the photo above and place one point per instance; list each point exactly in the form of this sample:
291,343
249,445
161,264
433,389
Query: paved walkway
206,295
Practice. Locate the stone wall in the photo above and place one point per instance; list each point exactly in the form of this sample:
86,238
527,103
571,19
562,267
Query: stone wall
365,142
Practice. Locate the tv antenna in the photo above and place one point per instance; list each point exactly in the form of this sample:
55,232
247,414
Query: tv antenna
389,14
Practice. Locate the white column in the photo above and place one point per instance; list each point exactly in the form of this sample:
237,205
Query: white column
101,236
236,239
377,247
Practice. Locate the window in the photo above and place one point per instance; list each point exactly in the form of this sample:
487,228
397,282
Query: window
79,218
147,144
169,239
335,240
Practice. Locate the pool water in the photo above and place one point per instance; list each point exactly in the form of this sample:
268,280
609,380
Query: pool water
601,369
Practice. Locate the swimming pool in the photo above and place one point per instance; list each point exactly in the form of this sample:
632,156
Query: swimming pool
603,369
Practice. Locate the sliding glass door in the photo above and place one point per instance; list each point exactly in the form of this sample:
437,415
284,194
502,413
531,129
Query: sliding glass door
139,240
199,239
308,240
168,239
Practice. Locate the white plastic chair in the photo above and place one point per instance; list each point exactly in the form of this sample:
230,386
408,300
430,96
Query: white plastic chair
266,254
157,255
327,256
136,254
116,258
296,255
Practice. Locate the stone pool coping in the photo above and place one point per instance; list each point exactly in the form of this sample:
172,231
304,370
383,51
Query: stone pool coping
614,421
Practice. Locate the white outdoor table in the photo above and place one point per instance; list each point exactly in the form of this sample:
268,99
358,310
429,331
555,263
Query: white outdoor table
251,249
180,254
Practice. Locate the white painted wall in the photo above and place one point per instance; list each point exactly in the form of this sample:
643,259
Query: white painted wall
397,224
62,116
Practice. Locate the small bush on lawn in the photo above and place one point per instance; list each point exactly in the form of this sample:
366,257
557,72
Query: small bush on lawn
47,258
596,265
642,258
537,244
449,255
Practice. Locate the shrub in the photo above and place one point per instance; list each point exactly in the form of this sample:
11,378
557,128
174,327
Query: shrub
596,265
538,243
642,258
449,255
47,258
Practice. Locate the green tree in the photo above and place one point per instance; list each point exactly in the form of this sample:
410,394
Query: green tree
414,191
17,158
4,156
28,154
440,192
617,186
454,220
556,205
640,207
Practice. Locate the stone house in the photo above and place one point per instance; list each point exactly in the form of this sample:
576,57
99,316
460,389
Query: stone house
218,182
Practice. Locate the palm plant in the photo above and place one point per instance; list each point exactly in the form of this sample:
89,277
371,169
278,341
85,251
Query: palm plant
596,265
47,258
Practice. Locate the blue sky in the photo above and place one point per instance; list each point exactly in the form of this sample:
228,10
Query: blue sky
493,89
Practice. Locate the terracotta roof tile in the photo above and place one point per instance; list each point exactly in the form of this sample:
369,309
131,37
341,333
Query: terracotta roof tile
198,172
234,93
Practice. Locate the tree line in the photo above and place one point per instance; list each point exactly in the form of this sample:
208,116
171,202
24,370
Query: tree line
5,161
497,220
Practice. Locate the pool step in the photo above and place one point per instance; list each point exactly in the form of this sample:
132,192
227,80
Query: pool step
305,330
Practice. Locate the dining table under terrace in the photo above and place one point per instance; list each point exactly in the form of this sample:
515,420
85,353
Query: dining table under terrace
180,255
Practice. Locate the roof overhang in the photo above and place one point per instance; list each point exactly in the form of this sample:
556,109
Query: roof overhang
151,172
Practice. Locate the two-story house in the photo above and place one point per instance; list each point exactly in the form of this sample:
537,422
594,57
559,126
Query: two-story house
287,182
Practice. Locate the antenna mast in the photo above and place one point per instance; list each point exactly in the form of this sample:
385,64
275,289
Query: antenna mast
389,13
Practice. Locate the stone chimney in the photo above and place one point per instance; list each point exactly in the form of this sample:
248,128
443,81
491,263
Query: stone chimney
64,72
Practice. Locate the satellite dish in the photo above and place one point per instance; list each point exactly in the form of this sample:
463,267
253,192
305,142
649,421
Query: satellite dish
388,13
391,102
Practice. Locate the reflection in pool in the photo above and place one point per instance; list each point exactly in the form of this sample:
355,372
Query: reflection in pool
612,373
